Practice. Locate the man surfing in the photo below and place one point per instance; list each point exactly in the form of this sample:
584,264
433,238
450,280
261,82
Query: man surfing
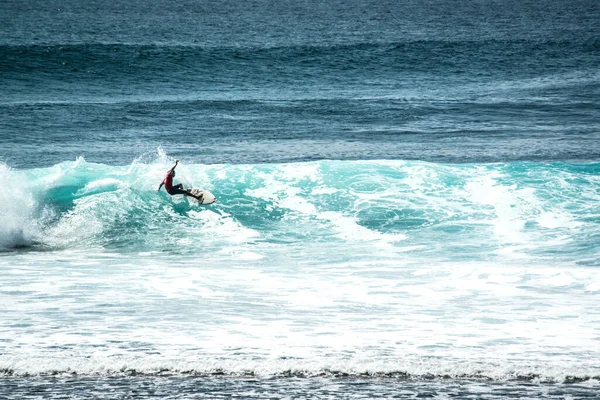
177,189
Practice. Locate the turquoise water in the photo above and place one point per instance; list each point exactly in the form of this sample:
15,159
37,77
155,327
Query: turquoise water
543,211
408,199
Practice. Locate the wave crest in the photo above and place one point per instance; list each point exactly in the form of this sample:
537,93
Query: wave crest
505,209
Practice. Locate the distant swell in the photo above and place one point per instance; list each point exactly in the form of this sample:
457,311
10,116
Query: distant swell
135,62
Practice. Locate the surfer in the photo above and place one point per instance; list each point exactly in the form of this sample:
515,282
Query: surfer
177,189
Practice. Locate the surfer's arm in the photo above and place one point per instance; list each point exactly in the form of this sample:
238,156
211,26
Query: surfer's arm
174,166
168,173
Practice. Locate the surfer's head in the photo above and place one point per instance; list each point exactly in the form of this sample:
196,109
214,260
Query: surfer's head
173,173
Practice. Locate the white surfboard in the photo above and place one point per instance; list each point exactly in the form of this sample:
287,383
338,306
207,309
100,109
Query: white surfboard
202,196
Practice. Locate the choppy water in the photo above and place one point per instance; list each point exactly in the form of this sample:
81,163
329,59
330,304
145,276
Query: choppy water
408,200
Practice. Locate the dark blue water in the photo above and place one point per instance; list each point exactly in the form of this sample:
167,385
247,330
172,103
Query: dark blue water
258,82
408,199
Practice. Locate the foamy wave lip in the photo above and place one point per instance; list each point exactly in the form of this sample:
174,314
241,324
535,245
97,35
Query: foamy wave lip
291,367
100,185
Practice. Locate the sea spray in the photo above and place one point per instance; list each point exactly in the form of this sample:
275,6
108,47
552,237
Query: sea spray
18,227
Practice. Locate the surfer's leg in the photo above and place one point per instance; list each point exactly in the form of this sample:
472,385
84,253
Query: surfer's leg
178,189
181,190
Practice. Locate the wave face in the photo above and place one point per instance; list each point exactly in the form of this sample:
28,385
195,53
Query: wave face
328,268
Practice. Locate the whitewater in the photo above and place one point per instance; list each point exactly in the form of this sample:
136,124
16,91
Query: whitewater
329,268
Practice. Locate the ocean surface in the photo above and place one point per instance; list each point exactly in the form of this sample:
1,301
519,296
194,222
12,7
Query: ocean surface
408,199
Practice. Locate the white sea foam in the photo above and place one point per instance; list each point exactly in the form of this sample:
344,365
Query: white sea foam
197,315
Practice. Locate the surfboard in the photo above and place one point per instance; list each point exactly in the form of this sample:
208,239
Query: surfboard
202,196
